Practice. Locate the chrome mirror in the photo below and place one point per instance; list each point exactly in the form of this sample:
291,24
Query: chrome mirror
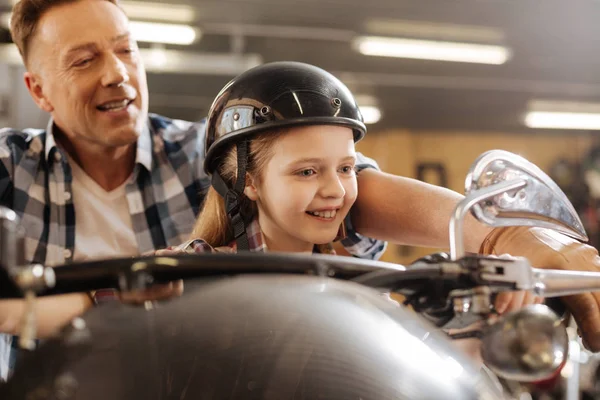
527,345
504,189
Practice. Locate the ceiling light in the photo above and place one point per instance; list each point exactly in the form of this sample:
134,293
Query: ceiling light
368,106
9,54
562,120
159,60
151,32
182,62
431,50
158,11
163,33
429,30
371,114
554,114
5,20
563,106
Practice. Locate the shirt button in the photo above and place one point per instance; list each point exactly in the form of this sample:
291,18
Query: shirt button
67,253
67,196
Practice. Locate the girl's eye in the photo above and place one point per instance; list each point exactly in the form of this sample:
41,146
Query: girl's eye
307,172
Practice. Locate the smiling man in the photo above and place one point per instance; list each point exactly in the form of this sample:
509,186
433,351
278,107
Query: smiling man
88,76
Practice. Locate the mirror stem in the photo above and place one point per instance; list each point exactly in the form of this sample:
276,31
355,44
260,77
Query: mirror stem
457,244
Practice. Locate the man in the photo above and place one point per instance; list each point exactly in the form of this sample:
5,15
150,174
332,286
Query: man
105,179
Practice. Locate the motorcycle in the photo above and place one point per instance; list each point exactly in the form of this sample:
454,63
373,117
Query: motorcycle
290,326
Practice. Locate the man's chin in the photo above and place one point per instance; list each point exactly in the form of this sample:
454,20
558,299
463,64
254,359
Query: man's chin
127,129
122,137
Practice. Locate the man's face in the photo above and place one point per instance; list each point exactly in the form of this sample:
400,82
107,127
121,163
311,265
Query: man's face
85,69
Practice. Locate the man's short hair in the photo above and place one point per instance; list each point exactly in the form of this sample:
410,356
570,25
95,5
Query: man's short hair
25,17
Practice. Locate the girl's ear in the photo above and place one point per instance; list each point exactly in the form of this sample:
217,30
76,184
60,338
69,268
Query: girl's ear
250,190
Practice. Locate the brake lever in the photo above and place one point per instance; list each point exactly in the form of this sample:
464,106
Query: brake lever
453,294
474,334
474,281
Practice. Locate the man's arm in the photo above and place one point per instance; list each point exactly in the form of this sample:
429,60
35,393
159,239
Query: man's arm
51,313
407,211
403,210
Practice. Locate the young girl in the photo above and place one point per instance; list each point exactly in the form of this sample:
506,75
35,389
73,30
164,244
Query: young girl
280,150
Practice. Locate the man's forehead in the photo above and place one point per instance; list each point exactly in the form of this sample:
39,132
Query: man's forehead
84,21
87,45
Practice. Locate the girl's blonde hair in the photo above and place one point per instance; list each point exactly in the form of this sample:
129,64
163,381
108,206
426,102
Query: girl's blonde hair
213,224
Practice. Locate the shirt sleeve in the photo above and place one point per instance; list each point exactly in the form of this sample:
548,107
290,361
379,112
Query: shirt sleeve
6,170
356,244
190,247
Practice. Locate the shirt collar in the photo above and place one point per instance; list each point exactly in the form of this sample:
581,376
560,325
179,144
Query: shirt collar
143,152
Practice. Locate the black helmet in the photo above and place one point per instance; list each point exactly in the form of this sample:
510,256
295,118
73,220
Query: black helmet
271,96
274,95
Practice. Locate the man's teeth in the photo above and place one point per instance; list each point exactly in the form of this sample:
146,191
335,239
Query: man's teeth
324,214
114,105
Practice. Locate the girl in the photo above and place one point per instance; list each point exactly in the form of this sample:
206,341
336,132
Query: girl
280,149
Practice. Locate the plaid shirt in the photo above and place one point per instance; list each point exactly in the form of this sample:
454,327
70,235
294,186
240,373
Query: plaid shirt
256,243
164,192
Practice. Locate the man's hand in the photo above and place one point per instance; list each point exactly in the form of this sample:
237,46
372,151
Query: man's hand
512,301
153,293
548,249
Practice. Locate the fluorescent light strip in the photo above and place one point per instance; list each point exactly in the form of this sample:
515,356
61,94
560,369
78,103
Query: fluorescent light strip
155,11
183,62
171,61
151,32
371,114
5,20
163,33
9,54
562,120
431,50
159,12
563,106
427,30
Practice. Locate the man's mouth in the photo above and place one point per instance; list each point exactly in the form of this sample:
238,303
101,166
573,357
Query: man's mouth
117,105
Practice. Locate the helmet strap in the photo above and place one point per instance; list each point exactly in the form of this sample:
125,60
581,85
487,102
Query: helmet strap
233,196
